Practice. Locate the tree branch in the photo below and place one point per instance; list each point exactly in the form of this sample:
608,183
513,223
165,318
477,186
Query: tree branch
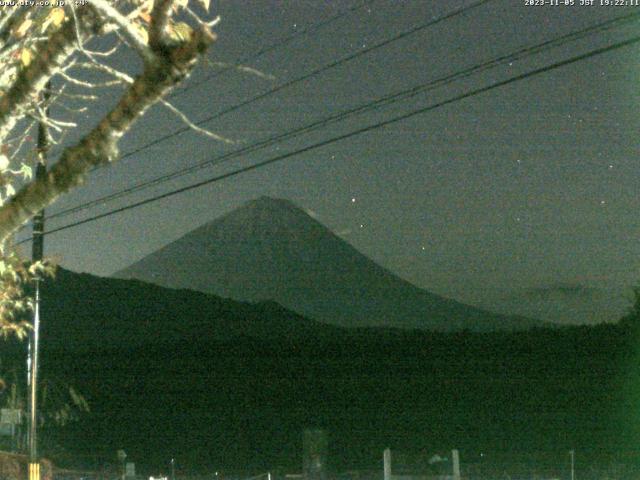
126,28
48,60
171,65
159,21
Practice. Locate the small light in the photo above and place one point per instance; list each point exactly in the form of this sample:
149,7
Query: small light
353,200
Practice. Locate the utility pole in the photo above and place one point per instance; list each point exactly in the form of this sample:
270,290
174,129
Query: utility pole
122,457
37,251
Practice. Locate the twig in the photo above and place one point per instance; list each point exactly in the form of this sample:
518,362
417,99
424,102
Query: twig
195,127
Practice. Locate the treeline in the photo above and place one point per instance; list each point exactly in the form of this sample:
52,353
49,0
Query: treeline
222,385
243,402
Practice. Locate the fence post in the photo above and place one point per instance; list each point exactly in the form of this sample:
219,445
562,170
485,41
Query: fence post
387,464
455,456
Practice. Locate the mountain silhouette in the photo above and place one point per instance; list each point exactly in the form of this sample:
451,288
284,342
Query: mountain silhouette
563,303
90,313
271,249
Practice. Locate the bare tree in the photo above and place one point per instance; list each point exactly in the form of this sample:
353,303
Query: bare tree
57,54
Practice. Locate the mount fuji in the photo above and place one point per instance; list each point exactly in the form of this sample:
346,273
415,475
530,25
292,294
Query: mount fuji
271,249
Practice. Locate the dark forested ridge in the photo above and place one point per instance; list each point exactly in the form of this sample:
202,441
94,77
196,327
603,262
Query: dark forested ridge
221,384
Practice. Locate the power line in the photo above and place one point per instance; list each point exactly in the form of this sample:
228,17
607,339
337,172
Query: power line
354,133
311,74
392,98
282,42
329,66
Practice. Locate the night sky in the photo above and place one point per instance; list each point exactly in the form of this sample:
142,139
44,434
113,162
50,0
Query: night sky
531,185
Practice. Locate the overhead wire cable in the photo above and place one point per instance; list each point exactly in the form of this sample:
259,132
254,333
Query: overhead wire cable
311,74
353,133
367,106
343,60
280,43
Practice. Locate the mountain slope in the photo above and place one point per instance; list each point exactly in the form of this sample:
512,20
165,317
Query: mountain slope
271,249
564,303
111,313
